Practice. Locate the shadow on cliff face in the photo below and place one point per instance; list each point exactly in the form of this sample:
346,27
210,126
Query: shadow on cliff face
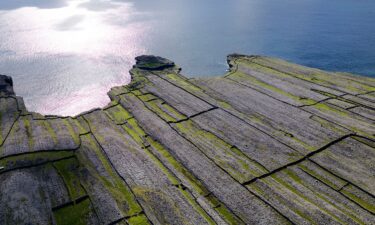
44,4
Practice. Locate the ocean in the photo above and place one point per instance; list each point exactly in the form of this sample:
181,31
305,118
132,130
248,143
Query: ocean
64,55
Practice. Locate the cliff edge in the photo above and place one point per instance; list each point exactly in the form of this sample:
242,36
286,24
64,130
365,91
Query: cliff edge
270,142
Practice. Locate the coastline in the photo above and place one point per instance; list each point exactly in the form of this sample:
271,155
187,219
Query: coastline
269,142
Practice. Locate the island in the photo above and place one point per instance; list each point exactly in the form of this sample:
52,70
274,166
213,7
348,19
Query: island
270,142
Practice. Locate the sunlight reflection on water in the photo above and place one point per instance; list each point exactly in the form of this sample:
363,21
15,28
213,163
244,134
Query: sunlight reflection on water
74,53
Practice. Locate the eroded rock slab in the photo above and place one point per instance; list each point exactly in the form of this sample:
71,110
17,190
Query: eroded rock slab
270,142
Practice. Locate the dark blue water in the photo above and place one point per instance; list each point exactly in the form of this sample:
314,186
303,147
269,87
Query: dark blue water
336,35
64,55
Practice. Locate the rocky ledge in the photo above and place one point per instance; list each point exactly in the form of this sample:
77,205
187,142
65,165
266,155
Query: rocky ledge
268,143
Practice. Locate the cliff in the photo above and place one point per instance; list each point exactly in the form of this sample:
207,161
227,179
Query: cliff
268,143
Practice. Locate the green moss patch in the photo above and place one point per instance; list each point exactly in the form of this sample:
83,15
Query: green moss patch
363,200
31,159
198,186
165,111
69,169
113,183
229,158
118,114
29,132
77,214
138,220
242,77
147,97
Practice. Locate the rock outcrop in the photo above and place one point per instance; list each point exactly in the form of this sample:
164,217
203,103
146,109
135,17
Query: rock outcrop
268,143
6,85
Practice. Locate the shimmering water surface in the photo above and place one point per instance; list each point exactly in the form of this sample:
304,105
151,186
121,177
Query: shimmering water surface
64,55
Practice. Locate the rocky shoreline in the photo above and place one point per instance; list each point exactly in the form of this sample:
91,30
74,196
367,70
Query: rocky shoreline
270,142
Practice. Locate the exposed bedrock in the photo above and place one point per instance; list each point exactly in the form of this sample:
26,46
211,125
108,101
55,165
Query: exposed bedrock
270,142
6,85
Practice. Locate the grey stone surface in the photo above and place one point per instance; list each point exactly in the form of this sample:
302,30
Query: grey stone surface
21,200
258,146
346,83
365,112
31,135
340,103
181,100
351,160
269,143
356,123
291,188
286,123
369,96
360,197
8,115
277,87
148,181
359,101
235,196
